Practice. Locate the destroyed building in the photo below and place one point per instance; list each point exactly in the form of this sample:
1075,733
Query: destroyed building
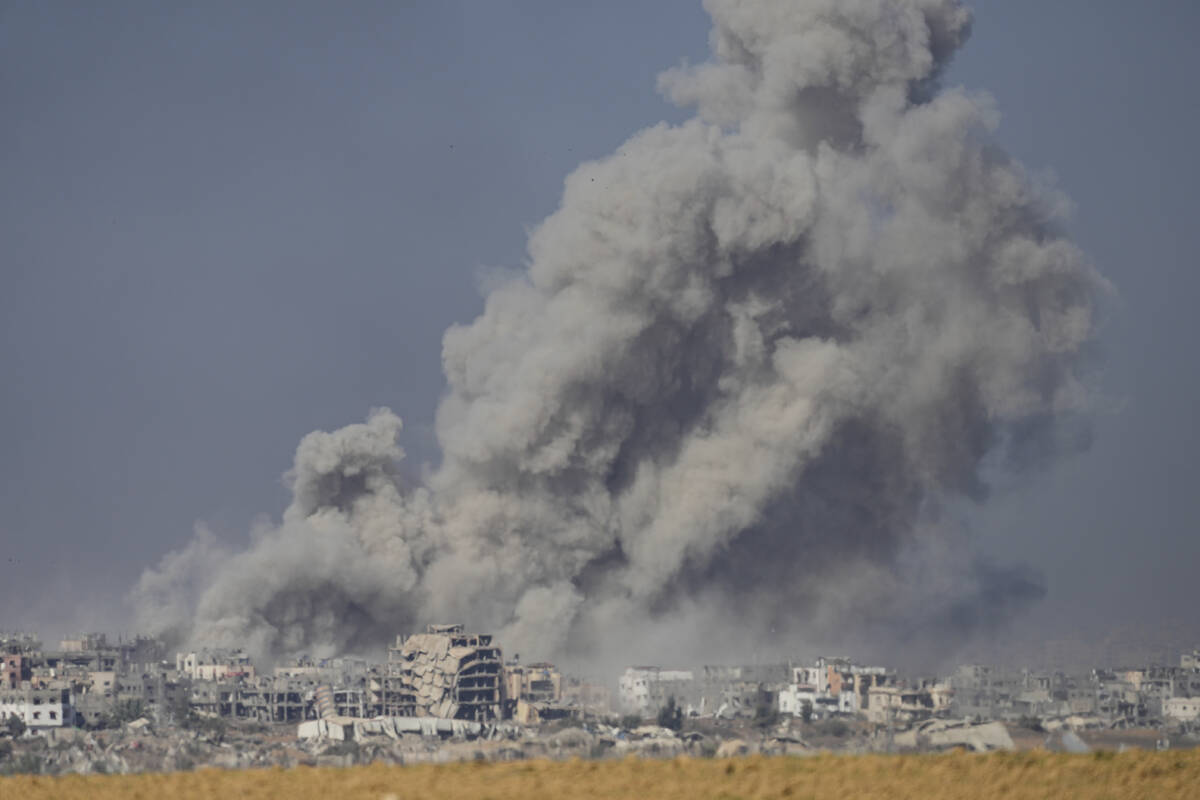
533,693
446,673
588,697
14,668
726,691
721,691
890,704
646,689
533,683
839,686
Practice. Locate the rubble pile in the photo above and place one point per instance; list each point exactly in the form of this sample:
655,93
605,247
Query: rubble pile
143,746
348,728
941,734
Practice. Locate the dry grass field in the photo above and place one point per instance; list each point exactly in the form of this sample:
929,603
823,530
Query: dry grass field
1174,774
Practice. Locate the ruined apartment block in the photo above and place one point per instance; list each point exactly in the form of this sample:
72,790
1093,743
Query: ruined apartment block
446,673
540,682
533,693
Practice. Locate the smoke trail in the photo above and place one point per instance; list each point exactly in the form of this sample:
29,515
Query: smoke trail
751,357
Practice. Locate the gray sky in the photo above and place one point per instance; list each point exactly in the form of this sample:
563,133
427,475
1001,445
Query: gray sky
227,226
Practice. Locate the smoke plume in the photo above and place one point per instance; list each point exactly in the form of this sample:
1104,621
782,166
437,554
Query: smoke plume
751,360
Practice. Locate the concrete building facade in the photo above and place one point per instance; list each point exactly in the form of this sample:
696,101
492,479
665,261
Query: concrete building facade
444,672
38,708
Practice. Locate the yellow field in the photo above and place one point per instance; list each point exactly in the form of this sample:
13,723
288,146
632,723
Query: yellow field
931,777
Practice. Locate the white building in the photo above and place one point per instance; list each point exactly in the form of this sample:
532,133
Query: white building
813,676
215,665
39,708
1182,708
794,697
831,685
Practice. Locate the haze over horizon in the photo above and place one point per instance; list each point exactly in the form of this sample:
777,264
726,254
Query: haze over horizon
230,228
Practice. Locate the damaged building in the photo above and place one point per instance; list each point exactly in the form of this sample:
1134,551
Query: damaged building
540,682
720,691
444,672
645,689
533,693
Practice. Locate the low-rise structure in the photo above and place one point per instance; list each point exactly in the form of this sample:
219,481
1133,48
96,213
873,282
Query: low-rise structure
1184,709
644,690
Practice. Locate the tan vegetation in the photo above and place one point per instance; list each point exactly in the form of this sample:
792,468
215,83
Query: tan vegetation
1174,774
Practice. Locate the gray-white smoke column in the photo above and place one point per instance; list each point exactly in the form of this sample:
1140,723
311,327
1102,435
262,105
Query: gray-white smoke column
751,358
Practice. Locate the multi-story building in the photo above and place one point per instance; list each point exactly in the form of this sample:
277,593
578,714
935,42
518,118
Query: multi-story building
832,685
851,683
154,687
907,704
798,699
444,672
14,668
38,708
533,683
213,665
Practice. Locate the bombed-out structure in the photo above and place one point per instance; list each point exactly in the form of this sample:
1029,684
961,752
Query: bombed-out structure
444,672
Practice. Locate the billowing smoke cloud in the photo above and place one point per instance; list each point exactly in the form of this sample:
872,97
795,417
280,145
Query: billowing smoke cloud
752,357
